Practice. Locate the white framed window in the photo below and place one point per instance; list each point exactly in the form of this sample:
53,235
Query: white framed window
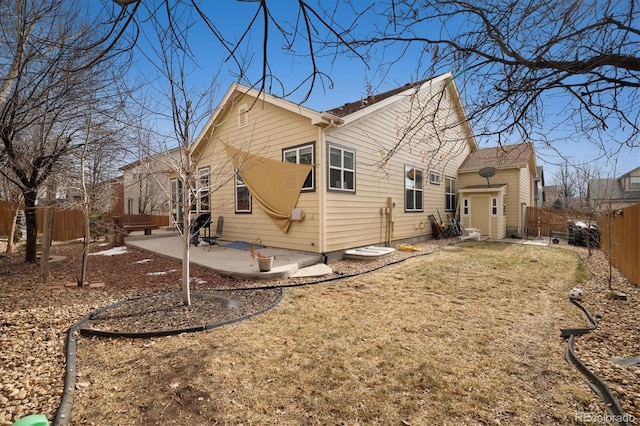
204,189
450,193
434,178
465,206
342,169
243,197
413,191
130,205
494,206
634,182
302,154
243,116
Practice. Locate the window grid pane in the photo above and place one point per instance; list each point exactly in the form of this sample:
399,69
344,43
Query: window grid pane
341,169
302,155
450,193
413,189
243,197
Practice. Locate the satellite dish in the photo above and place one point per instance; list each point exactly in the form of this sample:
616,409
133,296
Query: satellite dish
487,172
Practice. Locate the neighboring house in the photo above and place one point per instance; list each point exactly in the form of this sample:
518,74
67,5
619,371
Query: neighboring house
491,204
316,181
615,193
539,196
110,199
146,184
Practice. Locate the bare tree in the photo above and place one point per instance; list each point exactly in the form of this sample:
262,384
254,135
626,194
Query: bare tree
565,181
96,158
42,93
186,109
313,34
528,67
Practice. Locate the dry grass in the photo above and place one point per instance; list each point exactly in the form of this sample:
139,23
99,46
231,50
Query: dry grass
467,335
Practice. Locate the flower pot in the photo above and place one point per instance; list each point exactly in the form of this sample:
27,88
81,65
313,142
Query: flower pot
265,263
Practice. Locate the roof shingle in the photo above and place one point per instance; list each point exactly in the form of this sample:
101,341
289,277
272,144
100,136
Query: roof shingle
505,156
351,107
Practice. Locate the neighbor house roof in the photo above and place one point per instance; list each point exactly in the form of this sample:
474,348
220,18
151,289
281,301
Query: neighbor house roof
609,189
500,157
633,172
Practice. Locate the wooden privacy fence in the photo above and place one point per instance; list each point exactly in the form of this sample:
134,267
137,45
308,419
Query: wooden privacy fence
67,224
620,239
620,227
6,216
544,221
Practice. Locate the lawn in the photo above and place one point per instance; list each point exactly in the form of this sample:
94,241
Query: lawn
469,334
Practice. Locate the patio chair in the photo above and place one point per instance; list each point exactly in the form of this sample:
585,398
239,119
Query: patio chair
469,234
212,240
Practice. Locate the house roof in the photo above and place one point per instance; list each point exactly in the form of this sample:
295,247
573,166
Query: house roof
150,157
634,172
351,107
237,91
501,157
490,186
334,116
609,189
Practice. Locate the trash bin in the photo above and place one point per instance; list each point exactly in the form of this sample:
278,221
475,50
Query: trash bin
580,233
575,234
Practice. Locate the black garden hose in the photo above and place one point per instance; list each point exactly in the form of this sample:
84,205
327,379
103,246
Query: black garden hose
616,412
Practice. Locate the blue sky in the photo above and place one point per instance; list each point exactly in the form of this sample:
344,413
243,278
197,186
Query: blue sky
349,76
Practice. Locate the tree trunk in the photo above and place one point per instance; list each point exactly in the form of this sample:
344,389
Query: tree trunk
46,244
12,229
186,237
87,226
30,196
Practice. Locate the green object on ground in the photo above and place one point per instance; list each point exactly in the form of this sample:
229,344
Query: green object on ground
32,420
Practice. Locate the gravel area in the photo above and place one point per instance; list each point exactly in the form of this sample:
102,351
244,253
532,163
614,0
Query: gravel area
34,317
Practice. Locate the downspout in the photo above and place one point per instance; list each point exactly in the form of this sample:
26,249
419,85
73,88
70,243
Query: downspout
322,188
322,184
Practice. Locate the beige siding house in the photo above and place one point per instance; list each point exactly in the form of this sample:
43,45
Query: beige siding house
496,185
615,193
369,172
146,184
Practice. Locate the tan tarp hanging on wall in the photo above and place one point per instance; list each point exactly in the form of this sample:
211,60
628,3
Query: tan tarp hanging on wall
274,184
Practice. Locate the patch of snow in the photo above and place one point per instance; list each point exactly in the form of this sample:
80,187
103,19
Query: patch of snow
144,261
197,280
161,272
111,252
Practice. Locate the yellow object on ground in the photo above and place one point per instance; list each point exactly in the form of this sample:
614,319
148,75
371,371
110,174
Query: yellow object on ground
407,247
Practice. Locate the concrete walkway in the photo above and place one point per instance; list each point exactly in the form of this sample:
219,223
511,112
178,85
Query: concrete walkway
230,261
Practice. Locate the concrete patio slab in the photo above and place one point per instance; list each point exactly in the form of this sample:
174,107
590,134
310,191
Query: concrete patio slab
228,261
